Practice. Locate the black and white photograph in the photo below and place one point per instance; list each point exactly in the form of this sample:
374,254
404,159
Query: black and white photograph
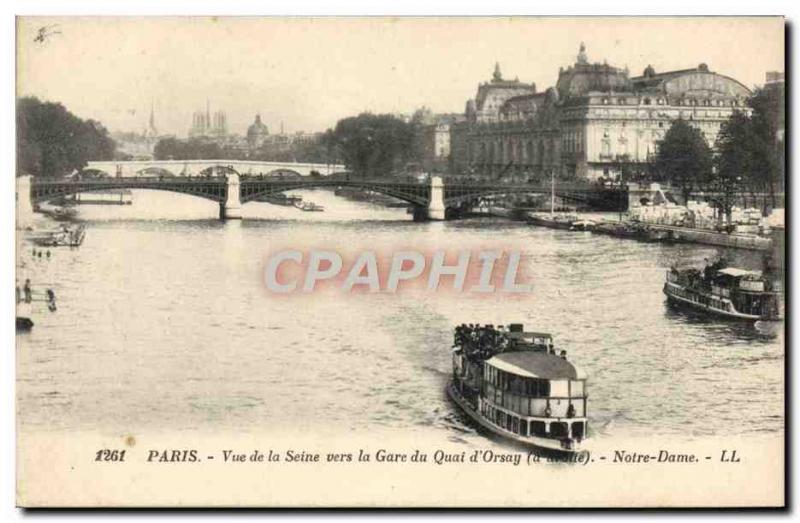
406,262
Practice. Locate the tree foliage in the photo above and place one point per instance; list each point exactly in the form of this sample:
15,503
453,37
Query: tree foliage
372,145
745,159
192,149
684,158
768,121
51,141
309,151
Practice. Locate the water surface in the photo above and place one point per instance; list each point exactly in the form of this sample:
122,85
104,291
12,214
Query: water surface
164,323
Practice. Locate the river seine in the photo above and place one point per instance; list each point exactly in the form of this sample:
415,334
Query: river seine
164,323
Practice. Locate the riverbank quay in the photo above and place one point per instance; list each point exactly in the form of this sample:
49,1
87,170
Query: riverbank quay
707,237
656,233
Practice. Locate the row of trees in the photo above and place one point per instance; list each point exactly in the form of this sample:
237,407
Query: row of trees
192,149
372,144
51,141
748,158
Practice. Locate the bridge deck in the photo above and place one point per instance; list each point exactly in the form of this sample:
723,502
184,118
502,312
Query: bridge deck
252,188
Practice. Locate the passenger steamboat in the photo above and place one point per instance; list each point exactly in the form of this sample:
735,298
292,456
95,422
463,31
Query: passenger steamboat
724,291
516,385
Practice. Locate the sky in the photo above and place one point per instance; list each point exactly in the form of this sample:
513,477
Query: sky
308,73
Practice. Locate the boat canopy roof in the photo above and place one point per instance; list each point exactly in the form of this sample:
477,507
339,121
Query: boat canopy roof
737,273
531,335
536,364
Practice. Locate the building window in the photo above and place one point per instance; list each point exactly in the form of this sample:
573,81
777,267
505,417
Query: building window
647,101
606,147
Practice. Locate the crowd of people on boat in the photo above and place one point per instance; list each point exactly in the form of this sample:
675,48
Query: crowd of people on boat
711,268
480,342
700,279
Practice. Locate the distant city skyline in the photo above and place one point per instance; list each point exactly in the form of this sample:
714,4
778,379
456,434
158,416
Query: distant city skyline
309,73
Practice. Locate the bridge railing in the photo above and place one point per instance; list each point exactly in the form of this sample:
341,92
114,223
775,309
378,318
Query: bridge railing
133,180
449,186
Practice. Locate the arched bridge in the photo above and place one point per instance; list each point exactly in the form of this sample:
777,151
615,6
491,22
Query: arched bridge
216,187
212,188
416,193
232,191
205,167
606,198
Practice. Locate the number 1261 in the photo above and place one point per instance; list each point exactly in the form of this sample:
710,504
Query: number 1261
110,455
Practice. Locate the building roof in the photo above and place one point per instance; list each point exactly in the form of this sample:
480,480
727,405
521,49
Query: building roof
257,127
689,81
536,364
526,103
582,78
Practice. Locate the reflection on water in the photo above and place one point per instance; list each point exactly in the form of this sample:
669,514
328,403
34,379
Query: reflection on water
164,323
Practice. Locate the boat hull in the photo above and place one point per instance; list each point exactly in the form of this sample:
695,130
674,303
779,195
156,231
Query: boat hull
24,324
542,444
551,224
682,302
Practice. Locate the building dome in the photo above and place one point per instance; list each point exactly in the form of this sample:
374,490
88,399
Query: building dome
257,132
257,127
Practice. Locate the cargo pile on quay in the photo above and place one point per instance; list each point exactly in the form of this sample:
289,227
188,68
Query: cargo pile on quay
666,222
654,232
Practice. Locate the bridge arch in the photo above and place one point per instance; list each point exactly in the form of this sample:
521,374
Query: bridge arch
283,173
214,189
90,172
463,195
252,190
218,169
155,171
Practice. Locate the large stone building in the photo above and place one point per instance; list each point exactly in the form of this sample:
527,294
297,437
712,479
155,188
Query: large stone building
139,146
595,117
432,141
206,126
257,133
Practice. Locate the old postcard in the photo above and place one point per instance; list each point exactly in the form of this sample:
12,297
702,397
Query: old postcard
400,262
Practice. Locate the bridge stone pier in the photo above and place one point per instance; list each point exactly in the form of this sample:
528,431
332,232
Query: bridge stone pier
231,208
436,207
